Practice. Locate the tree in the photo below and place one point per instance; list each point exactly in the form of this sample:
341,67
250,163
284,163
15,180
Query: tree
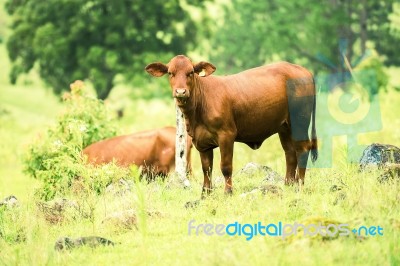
308,32
78,39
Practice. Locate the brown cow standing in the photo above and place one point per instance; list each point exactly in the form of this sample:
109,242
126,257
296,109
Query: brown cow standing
247,107
154,150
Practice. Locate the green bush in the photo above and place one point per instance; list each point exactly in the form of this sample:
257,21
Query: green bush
371,74
55,157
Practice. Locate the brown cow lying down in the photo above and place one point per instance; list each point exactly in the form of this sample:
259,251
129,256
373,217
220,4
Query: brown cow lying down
153,150
247,107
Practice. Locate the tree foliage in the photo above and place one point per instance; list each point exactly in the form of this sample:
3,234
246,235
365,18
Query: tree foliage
317,35
77,39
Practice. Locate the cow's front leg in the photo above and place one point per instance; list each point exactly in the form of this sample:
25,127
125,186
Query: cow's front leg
226,143
207,165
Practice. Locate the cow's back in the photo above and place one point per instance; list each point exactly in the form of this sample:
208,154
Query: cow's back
257,98
137,148
154,150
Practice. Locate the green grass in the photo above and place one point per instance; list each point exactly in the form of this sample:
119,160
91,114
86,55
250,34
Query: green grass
26,110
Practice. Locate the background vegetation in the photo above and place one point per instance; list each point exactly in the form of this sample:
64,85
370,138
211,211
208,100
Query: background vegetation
109,43
51,44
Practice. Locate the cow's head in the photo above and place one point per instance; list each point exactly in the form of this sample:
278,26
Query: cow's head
181,73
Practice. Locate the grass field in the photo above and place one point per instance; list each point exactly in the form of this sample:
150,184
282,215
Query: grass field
26,238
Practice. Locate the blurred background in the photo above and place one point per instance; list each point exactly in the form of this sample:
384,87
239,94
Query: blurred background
108,44
47,45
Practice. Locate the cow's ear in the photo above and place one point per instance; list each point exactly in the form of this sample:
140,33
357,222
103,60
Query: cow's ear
204,69
157,69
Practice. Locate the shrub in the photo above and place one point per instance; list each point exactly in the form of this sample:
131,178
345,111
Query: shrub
55,157
372,75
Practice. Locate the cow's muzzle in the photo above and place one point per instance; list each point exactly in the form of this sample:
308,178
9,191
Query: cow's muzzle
180,93
181,96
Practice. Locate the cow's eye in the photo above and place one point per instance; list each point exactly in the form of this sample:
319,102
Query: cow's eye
170,74
190,74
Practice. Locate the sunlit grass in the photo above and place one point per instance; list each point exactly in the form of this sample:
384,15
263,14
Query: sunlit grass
166,240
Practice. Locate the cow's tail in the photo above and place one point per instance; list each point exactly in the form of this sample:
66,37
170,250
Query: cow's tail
314,142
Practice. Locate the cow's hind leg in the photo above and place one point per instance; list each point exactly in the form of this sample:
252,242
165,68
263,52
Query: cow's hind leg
302,152
291,158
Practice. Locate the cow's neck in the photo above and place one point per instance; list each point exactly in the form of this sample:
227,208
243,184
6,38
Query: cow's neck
195,106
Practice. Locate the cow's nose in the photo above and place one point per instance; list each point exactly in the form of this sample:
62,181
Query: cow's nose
180,92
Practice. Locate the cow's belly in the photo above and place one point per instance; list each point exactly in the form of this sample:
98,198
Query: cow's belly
254,128
255,141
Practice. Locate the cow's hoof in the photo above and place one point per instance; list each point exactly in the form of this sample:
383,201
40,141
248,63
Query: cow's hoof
229,192
290,182
192,204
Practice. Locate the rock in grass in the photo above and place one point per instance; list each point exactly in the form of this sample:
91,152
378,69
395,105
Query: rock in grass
65,243
271,189
192,204
54,211
9,202
264,190
379,155
307,228
382,156
270,179
269,175
123,219
127,219
120,188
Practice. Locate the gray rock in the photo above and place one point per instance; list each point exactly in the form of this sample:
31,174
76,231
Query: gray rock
264,190
58,205
382,156
379,155
65,243
270,176
127,219
123,219
10,202
54,211
390,173
192,204
120,188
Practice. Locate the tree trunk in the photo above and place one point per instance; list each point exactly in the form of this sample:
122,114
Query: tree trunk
363,26
181,149
102,93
